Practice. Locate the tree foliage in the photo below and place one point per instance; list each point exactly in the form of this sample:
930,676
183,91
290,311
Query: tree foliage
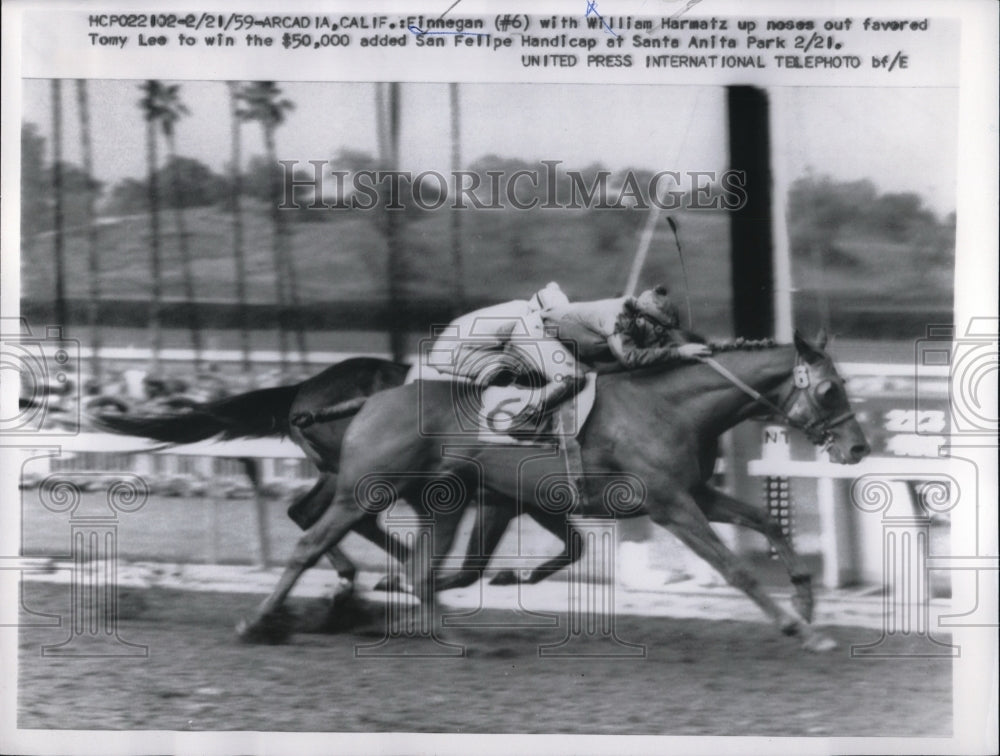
37,197
824,212
199,186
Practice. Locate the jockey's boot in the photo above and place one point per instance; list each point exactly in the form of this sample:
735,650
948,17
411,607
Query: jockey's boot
573,457
538,421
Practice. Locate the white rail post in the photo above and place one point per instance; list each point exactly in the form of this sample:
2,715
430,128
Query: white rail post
263,527
838,534
777,489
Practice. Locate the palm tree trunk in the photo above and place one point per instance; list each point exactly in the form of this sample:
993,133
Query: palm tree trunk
458,273
239,256
380,119
276,250
397,310
58,240
287,259
294,296
93,264
156,303
194,323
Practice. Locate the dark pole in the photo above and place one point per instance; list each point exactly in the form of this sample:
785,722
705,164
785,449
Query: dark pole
750,228
93,262
236,191
57,188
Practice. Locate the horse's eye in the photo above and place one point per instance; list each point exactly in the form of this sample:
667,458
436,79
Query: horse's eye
827,393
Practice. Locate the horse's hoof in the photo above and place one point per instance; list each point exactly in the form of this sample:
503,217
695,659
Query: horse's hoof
818,643
272,629
505,577
393,584
791,627
343,591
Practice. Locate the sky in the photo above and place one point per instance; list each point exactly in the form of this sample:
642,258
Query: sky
902,139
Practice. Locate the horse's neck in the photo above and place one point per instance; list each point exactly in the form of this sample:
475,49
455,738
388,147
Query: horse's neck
716,404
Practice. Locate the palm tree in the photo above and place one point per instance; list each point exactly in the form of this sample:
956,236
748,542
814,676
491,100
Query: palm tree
168,110
236,189
57,186
380,116
151,112
93,266
388,124
262,102
458,275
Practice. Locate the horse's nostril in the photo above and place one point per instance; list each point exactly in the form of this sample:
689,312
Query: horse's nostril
860,450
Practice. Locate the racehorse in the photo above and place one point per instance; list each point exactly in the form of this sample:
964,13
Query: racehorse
315,415
655,429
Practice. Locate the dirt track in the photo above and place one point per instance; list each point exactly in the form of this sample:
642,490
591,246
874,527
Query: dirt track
699,677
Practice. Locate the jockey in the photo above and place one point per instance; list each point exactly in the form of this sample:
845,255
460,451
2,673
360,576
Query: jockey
499,342
631,331
515,339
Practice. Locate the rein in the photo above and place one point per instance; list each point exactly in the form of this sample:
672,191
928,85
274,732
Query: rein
817,431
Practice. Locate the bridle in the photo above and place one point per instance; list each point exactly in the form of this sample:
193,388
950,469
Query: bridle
819,430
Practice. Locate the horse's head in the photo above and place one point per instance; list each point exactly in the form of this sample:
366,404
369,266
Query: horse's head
818,404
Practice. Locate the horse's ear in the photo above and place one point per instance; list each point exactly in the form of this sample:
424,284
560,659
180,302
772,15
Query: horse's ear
821,339
806,350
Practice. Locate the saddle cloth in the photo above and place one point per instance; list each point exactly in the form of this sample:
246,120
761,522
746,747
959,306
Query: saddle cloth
501,404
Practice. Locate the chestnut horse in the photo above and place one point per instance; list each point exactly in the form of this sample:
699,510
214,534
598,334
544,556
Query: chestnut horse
653,430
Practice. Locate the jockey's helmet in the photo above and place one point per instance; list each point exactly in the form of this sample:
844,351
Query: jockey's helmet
550,296
655,303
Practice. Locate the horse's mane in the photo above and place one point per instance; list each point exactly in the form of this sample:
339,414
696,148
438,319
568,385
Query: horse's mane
728,345
743,345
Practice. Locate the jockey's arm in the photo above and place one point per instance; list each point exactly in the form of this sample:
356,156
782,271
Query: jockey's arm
632,356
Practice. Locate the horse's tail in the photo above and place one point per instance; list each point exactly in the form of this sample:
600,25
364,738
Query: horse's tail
251,415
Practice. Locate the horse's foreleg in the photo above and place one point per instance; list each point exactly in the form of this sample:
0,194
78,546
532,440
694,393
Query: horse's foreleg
428,552
558,526
720,507
682,516
266,623
491,523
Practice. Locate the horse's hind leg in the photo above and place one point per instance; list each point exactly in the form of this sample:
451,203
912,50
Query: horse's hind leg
307,509
443,528
428,553
720,507
266,623
682,516
374,532
305,512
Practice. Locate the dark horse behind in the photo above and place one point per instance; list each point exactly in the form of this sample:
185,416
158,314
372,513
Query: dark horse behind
314,414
